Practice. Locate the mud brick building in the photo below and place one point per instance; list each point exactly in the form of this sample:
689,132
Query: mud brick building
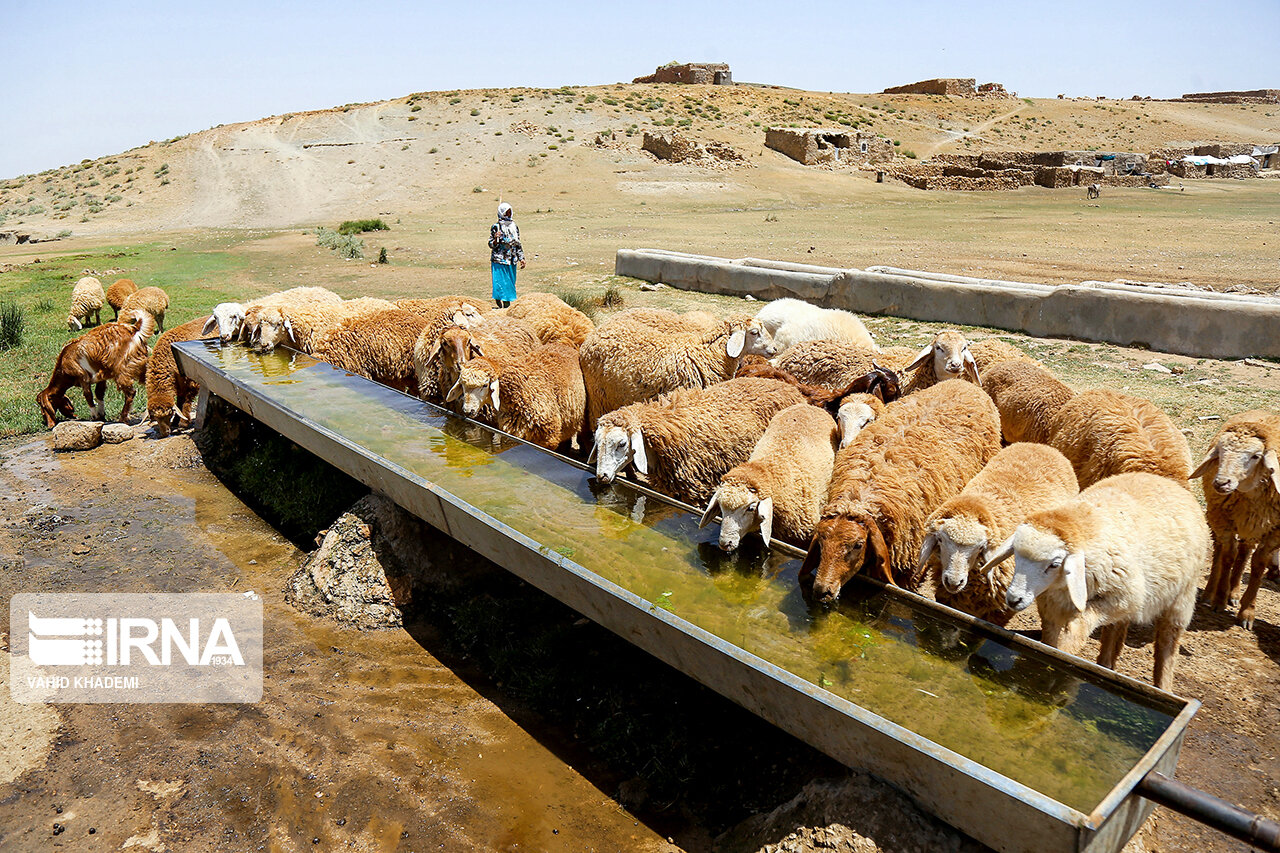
963,86
710,73
814,146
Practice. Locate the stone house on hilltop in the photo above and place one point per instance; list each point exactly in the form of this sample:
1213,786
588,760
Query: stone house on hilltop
815,145
710,73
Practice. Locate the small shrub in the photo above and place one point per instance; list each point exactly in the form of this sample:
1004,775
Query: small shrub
475,112
907,152
359,226
612,297
45,305
580,300
12,322
382,255
65,232
432,151
415,108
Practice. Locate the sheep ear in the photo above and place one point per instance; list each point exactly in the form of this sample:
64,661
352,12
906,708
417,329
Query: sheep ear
1209,458
476,351
811,559
1273,467
458,319
875,541
737,341
435,351
288,328
764,511
454,392
591,457
493,392
710,512
1073,572
1001,554
921,357
209,326
78,324
640,459
926,550
971,368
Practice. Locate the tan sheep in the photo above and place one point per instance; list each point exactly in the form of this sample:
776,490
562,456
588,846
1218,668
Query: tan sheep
627,361
780,489
951,355
553,320
86,298
539,397
1105,433
855,412
113,352
153,300
899,469
120,290
304,325
169,393
245,317
377,345
961,534
1028,397
438,359
1127,551
686,441
1241,478
830,364
440,309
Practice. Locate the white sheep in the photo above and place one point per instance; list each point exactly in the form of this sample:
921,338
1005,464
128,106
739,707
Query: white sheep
1241,478
1127,551
629,359
1021,479
227,318
302,297
780,489
790,321
87,297
686,441
855,412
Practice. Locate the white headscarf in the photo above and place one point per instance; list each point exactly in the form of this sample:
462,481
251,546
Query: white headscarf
504,211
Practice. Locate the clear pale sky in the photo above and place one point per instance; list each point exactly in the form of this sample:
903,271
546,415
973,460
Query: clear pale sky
88,79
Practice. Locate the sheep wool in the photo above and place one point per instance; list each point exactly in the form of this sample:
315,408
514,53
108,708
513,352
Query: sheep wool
827,363
118,292
86,298
791,321
1105,433
541,397
1028,398
378,346
552,319
169,393
153,300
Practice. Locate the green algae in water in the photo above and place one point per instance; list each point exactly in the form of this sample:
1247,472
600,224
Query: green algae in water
1028,718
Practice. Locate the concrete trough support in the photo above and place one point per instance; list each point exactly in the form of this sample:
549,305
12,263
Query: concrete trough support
1200,324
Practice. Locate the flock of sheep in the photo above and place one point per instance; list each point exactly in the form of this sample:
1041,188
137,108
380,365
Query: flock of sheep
967,463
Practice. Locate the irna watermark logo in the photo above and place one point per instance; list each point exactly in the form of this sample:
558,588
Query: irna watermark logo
91,647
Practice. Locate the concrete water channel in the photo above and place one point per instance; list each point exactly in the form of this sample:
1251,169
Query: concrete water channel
1016,744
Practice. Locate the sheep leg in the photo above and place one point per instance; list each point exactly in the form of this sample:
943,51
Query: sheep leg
1168,636
127,390
1067,637
1112,639
1257,571
1243,552
1215,591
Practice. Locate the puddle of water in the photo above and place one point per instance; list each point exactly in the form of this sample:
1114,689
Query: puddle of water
1029,718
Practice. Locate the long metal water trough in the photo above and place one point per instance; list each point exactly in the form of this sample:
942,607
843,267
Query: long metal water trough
1016,744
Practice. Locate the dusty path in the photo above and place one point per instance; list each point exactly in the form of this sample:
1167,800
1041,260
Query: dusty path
975,132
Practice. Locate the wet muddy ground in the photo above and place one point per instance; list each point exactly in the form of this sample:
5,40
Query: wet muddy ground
412,739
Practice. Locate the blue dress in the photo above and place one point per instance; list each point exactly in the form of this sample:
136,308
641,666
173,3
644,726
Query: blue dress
504,240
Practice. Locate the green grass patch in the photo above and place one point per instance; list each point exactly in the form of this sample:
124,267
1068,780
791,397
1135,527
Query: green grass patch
360,226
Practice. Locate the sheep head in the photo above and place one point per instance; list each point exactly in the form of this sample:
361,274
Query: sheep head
1243,463
477,385
842,545
742,512
951,357
856,411
467,316
73,323
1043,560
273,329
959,542
615,448
748,336
227,318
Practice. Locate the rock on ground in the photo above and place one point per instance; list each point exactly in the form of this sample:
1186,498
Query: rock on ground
364,570
77,435
117,433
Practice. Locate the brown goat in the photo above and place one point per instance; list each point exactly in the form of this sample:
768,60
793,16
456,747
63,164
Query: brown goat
113,352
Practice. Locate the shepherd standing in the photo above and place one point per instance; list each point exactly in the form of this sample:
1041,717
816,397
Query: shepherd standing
504,240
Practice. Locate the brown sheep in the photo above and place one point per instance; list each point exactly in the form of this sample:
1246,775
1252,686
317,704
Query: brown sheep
377,346
1028,397
829,363
118,292
113,352
540,397
500,339
1241,479
899,469
153,300
1105,433
169,393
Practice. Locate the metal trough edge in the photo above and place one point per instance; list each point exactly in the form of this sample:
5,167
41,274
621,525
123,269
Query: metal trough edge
992,808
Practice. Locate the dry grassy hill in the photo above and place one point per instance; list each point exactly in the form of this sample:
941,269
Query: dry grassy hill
411,154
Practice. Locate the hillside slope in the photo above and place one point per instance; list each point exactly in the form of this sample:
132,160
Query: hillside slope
409,154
